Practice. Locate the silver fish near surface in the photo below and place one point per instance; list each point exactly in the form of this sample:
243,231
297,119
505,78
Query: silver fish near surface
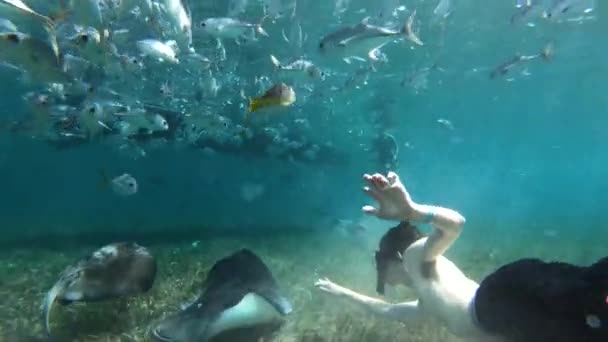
300,67
124,185
93,118
362,39
135,122
526,10
39,26
295,36
7,26
443,9
32,55
230,28
180,17
157,49
560,8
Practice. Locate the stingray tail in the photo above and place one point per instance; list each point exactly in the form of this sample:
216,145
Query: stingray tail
408,30
47,305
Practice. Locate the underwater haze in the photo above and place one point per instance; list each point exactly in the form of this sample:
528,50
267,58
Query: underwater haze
516,144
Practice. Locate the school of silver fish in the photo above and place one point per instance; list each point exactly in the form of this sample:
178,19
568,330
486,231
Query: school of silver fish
134,71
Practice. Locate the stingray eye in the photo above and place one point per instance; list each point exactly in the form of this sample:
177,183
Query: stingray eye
203,24
84,38
321,45
13,37
131,185
92,110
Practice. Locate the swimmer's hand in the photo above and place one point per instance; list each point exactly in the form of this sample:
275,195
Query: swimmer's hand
330,287
394,202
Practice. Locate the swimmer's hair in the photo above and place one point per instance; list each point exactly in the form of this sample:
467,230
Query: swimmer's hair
392,246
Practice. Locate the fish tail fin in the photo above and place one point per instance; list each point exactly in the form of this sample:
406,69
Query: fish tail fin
547,52
408,30
254,104
47,305
275,62
259,27
52,38
61,16
437,67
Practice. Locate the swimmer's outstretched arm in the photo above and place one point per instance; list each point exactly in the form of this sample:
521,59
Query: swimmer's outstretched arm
395,203
407,311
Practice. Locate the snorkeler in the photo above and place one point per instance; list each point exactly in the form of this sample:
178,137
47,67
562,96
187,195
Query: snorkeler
525,301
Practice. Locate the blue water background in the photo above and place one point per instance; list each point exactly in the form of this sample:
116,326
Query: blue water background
527,152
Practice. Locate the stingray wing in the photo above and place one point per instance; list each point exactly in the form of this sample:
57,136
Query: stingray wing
241,273
227,283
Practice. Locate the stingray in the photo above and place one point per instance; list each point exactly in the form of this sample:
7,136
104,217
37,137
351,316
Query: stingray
113,271
239,292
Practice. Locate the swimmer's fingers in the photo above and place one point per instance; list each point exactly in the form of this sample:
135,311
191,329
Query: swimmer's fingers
327,286
370,181
393,178
377,181
372,192
380,181
368,209
322,284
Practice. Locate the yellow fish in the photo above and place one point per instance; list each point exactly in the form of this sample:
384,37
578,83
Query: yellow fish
279,95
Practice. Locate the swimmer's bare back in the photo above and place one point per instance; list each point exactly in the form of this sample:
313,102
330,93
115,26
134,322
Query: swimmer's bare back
527,300
444,293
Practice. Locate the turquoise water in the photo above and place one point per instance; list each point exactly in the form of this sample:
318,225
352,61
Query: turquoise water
530,147
526,153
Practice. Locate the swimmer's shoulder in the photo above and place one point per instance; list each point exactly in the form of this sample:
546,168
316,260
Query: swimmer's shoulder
443,290
441,269
414,254
413,258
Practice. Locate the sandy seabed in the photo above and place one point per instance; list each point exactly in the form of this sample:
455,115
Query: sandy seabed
296,260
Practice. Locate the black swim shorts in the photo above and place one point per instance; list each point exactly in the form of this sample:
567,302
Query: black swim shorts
535,301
